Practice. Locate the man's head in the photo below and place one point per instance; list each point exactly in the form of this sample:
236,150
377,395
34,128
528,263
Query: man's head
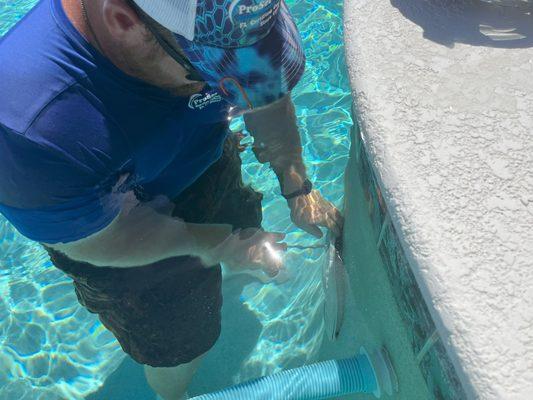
125,34
249,49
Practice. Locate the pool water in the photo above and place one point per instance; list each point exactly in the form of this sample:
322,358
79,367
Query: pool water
51,348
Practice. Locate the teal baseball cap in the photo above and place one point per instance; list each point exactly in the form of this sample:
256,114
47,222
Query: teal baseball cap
250,50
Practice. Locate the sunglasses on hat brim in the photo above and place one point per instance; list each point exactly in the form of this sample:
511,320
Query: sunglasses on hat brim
154,28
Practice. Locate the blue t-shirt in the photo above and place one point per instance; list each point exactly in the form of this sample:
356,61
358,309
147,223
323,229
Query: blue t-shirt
76,132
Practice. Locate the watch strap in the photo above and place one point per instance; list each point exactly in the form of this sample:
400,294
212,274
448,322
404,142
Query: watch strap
306,188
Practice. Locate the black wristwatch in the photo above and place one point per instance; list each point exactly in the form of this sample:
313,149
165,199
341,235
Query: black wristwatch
306,188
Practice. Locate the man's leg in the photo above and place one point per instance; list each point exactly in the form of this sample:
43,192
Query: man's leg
168,313
171,383
219,196
165,315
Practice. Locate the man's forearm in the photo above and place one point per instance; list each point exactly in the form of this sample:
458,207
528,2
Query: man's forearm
142,236
277,141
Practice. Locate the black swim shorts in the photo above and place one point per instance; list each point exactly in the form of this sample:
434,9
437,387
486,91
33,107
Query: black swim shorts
168,313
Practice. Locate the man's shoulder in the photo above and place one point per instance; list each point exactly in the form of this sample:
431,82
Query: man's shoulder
48,111
31,76
66,113
68,141
37,66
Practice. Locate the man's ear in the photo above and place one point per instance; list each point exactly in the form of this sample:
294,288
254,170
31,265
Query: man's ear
121,20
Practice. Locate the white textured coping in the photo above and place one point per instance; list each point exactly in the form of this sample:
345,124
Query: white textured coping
444,91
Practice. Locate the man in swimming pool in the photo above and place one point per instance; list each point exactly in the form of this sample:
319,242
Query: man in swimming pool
115,155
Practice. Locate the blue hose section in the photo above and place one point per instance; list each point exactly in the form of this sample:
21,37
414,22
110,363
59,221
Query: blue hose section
311,382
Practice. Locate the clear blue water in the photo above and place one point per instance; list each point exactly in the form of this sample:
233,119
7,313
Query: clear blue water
51,348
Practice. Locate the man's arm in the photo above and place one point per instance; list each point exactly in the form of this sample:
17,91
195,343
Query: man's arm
140,235
277,141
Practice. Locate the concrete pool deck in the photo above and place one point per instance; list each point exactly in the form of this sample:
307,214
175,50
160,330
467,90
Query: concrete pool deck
444,97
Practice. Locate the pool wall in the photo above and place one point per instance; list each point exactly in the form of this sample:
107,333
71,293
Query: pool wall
386,290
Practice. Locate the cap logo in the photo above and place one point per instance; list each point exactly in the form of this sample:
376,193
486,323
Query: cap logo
252,14
234,23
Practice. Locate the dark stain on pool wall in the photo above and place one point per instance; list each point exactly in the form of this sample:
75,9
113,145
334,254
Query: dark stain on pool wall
436,367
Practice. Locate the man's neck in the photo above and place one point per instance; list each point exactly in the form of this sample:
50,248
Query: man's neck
74,13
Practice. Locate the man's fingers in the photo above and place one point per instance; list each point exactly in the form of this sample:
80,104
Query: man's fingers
280,247
335,225
312,229
274,237
334,221
274,266
339,219
269,254
331,226
268,266
272,263
272,271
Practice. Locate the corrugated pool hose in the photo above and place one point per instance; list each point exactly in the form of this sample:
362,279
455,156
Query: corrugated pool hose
364,373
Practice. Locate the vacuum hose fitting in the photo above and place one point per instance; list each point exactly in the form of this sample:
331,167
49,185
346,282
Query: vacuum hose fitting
364,373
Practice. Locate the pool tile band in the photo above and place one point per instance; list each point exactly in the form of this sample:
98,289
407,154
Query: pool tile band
437,369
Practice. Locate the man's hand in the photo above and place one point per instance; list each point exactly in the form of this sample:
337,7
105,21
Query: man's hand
252,249
312,211
277,141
